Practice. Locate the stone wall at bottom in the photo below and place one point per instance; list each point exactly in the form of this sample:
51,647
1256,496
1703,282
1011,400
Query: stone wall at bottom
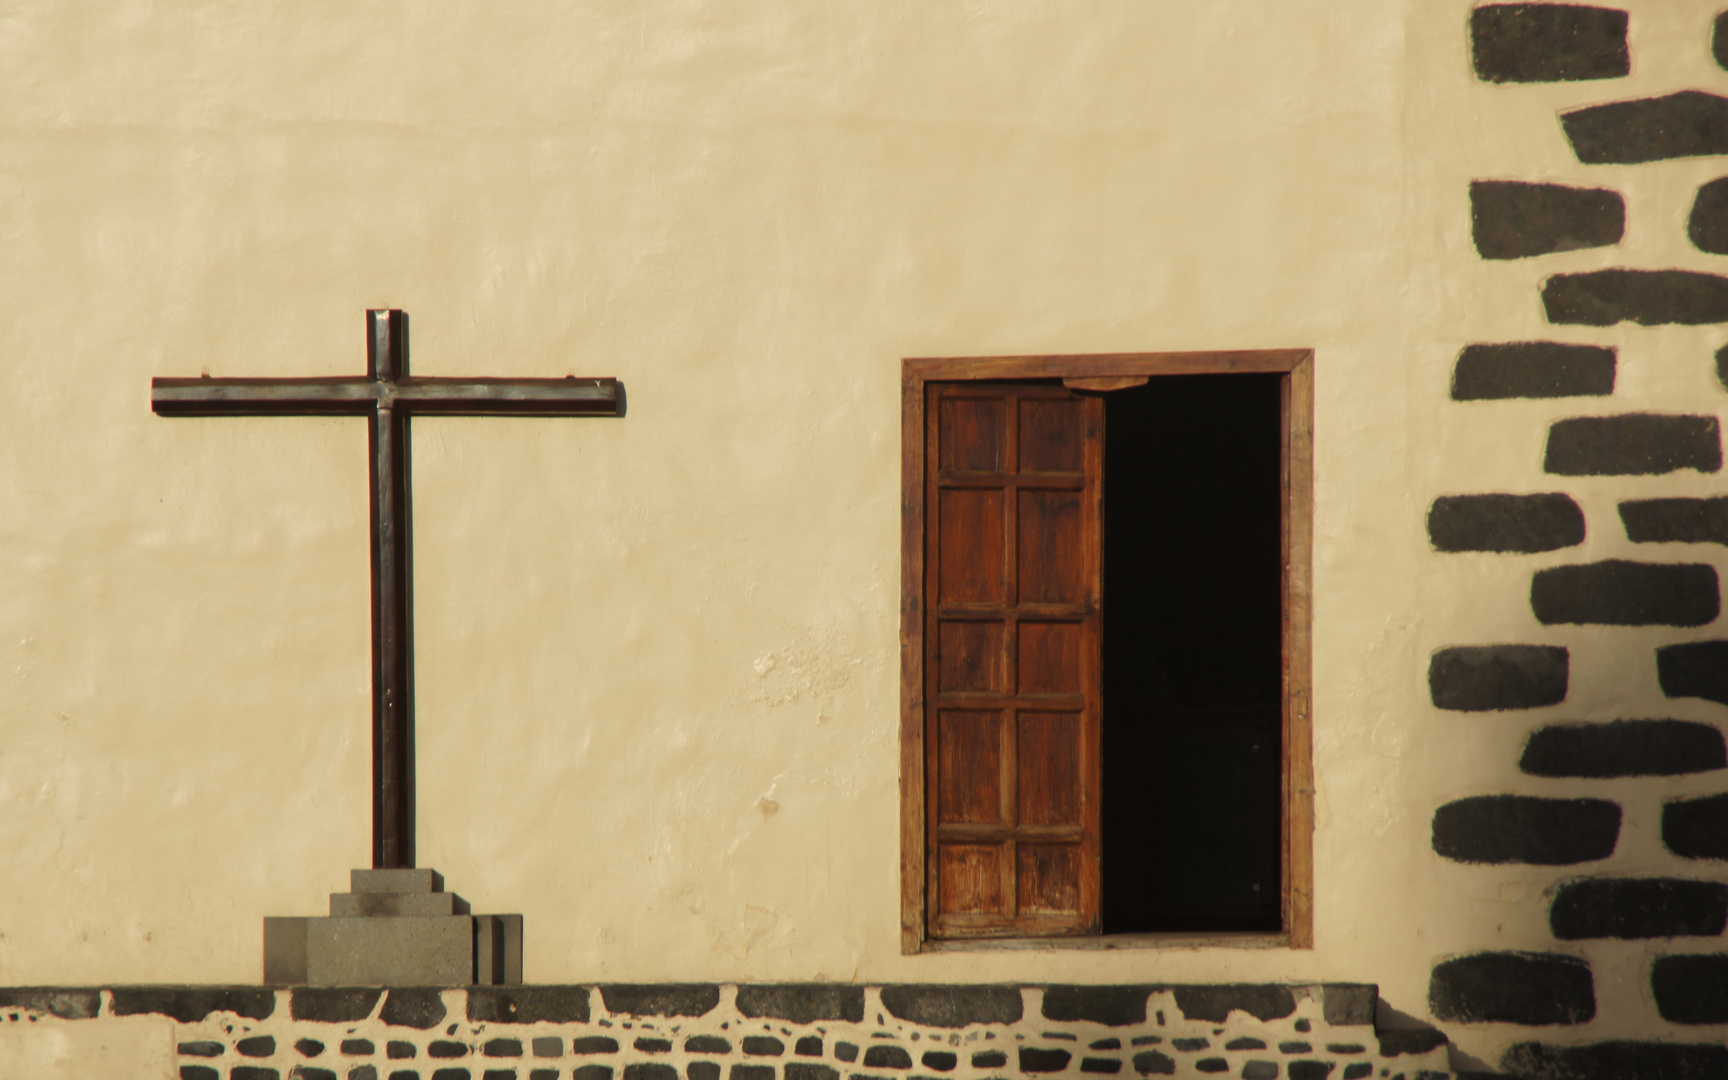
799,1031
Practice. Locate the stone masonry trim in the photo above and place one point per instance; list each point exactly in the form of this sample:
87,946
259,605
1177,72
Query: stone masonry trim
1618,592
1645,297
1181,1031
1676,521
1694,669
1633,444
1524,43
1690,123
1624,748
1526,829
1505,523
1532,369
1512,219
1488,678
1533,989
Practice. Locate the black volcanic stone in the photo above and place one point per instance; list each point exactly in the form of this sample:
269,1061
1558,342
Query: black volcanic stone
764,1046
199,1072
65,1003
358,1047
189,1004
528,1004
1691,989
886,1057
1625,748
1525,829
416,1008
1617,592
1263,1001
502,1048
1707,225
1513,220
1697,828
1719,40
332,1005
1638,908
446,1048
1506,523
1260,1070
940,1060
1617,1061
1694,669
802,1003
1397,1042
805,1070
715,1044
989,1059
1646,297
1100,1065
1532,369
661,999
1310,1070
593,1044
1212,1065
953,1006
1487,678
1110,1005
1523,43
736,1072
201,1048
1035,1059
254,1072
1676,521
657,1046
1349,1003
642,1070
1517,988
1722,366
1154,1063
1633,444
1688,124
257,1046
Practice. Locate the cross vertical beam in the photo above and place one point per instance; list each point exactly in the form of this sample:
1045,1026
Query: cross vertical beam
389,396
392,599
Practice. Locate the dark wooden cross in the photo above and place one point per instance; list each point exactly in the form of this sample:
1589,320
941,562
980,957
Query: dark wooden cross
388,397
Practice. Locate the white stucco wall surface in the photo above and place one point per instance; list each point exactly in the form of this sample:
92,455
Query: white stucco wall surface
657,656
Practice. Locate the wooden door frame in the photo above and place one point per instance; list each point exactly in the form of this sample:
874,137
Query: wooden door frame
1297,367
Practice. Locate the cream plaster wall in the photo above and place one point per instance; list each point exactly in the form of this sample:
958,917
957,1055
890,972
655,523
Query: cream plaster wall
657,656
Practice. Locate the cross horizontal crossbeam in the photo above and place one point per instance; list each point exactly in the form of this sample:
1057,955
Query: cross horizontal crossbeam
358,396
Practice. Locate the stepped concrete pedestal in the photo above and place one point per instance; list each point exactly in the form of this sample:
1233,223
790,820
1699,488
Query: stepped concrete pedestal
396,928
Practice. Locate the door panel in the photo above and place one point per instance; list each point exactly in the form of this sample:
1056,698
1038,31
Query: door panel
1012,692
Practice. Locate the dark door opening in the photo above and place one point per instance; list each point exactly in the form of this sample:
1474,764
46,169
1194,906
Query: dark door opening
1193,655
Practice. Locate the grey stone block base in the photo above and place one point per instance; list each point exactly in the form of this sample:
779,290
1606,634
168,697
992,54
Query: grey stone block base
396,928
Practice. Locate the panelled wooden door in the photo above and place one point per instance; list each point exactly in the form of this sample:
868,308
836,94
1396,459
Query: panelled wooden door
1014,485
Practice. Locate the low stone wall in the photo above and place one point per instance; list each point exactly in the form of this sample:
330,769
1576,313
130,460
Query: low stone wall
803,1031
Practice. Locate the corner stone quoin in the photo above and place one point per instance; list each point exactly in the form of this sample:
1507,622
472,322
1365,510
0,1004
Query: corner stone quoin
1690,123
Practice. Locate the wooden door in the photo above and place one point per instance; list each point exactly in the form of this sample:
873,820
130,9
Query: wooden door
1012,689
